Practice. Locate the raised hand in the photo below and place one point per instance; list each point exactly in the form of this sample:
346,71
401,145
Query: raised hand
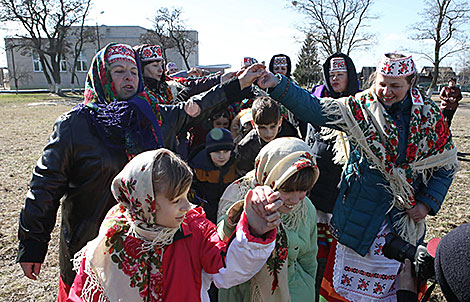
267,80
261,206
251,74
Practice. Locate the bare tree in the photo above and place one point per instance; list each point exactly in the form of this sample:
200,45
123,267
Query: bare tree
337,25
16,73
170,32
46,23
441,22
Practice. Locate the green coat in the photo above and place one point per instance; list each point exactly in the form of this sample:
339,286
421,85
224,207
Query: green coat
302,261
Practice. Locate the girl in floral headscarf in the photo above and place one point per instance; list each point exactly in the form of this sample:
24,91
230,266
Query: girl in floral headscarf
401,162
286,165
89,146
153,246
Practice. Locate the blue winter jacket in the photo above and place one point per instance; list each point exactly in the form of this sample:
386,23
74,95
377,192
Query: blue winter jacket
363,202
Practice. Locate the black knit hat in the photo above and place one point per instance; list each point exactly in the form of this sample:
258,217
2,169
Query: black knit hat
219,139
452,264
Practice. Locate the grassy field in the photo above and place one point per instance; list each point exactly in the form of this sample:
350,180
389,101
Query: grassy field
26,123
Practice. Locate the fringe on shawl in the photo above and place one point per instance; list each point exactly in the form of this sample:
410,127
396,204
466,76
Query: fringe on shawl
255,293
397,186
340,146
92,286
296,217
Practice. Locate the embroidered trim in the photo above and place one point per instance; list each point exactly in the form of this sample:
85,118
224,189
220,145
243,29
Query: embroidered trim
286,89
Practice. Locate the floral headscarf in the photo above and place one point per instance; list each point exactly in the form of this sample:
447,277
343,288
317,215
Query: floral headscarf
275,163
124,262
132,125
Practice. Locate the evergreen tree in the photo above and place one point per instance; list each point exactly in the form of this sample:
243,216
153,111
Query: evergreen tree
308,70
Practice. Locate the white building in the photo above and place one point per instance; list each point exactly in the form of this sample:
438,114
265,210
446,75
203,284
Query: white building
27,69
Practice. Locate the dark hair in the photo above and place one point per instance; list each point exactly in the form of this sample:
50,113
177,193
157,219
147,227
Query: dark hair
170,174
265,111
302,180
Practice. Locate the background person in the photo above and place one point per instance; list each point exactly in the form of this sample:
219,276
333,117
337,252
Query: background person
340,79
450,97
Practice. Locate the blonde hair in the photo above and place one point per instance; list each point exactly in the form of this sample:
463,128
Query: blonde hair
170,174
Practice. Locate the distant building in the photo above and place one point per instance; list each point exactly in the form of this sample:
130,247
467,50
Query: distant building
25,67
215,68
445,73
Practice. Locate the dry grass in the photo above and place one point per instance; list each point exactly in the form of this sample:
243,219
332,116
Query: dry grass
25,130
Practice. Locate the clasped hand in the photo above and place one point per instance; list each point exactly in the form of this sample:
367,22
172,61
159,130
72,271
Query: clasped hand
261,205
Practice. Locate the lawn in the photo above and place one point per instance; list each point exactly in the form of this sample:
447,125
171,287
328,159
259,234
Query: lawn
26,124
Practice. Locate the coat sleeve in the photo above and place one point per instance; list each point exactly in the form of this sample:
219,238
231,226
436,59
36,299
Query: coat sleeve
245,256
210,102
47,186
307,258
443,94
305,106
199,85
433,193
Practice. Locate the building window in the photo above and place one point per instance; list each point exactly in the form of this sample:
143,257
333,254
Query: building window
81,63
37,66
63,65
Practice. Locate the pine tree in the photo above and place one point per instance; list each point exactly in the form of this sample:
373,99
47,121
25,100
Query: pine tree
308,70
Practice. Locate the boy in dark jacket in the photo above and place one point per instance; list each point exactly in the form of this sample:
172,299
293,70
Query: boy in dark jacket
267,125
214,170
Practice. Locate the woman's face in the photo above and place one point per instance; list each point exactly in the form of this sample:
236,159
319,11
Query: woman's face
339,81
154,70
290,200
391,90
280,69
125,77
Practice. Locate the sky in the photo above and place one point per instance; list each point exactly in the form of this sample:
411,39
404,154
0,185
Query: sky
231,30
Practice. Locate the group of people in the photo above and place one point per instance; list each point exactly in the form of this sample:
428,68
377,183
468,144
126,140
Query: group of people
236,187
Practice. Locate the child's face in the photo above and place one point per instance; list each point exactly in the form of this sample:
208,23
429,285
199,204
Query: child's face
290,200
221,122
220,158
171,213
268,132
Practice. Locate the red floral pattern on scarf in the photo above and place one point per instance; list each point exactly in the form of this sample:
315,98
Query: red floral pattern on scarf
428,135
126,251
278,257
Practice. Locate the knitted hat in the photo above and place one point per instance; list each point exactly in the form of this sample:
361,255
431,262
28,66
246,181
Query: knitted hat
452,264
149,53
118,52
338,64
248,61
219,139
397,67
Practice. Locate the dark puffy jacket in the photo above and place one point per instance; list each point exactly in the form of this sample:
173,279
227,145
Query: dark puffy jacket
210,182
76,165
